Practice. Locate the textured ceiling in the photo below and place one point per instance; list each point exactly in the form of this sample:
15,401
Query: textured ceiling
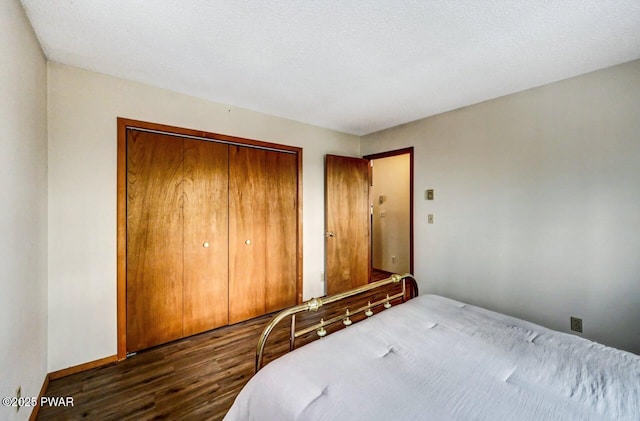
352,66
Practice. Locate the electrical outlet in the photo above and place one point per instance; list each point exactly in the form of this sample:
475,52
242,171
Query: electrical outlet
18,396
430,218
576,324
393,259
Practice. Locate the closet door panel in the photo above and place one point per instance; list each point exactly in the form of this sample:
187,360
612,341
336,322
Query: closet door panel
206,253
154,239
247,233
281,226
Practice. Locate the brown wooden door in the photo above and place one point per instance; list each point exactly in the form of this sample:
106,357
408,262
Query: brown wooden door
347,230
281,225
206,250
247,232
154,239
177,238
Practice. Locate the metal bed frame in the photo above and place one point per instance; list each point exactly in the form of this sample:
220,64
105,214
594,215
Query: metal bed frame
314,304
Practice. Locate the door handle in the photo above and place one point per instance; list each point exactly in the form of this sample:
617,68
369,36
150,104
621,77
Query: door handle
329,234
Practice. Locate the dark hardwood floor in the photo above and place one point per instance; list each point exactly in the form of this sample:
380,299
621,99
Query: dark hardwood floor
377,274
194,378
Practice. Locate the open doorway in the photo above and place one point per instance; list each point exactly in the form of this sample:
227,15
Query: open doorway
391,201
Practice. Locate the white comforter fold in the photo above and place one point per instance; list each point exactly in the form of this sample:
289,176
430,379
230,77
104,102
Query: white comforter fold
433,358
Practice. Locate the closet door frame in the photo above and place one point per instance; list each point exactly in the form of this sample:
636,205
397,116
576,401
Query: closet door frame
123,124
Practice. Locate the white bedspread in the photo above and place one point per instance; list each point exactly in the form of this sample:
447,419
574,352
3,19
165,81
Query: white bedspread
433,358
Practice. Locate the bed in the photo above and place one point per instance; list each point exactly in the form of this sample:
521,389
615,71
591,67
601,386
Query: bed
434,358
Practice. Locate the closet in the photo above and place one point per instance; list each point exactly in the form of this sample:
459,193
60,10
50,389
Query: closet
211,234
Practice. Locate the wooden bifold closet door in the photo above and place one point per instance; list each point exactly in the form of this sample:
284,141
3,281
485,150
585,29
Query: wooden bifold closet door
154,234
211,235
205,250
177,252
262,231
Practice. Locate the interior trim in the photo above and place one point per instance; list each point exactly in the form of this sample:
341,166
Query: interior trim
54,375
397,152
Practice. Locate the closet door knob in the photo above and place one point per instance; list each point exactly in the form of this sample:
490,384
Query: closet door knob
205,244
248,242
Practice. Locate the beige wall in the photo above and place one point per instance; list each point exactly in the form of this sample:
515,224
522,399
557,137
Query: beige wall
23,212
392,218
83,107
537,203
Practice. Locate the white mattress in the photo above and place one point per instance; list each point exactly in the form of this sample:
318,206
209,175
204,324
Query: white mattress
433,358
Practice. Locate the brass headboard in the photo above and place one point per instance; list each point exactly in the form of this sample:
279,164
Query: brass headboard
315,303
